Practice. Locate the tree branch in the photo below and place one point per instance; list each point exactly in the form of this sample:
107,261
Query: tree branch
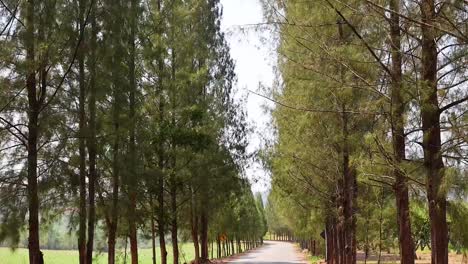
312,110
452,104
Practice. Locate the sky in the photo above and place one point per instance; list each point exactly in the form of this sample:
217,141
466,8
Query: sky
254,66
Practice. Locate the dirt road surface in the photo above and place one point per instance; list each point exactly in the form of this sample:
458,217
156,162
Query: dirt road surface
274,252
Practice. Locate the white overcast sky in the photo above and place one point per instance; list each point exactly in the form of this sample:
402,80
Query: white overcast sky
254,66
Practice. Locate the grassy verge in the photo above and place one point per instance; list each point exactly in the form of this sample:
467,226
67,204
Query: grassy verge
315,259
20,256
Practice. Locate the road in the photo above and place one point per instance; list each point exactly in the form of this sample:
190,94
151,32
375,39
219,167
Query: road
274,252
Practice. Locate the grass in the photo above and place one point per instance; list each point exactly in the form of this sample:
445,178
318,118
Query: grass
20,256
424,257
315,259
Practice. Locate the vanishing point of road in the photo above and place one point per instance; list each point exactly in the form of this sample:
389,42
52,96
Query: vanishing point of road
274,252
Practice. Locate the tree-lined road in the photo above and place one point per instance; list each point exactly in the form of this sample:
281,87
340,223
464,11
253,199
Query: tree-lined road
275,252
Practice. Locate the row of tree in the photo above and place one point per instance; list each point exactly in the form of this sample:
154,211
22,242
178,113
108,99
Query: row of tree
371,121
120,115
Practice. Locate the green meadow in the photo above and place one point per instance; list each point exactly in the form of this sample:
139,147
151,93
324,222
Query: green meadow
20,256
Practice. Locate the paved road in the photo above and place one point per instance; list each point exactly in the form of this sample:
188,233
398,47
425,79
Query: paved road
274,252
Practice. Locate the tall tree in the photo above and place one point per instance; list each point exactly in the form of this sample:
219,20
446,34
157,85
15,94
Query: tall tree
33,116
398,138
430,115
81,138
91,142
133,175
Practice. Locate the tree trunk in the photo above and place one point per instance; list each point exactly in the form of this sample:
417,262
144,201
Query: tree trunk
174,227
218,247
162,160
430,116
380,226
125,250
82,146
398,137
173,175
314,251
111,237
113,218
117,104
161,212
349,174
132,181
204,236
153,240
33,114
194,224
133,231
162,241
92,148
328,243
228,249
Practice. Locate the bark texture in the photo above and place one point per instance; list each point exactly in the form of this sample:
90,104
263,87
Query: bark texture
430,114
398,138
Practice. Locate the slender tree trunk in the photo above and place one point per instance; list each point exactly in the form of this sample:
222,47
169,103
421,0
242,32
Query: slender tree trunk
349,198
314,251
92,148
398,138
349,178
161,211
173,176
228,250
125,250
174,227
339,224
113,218
82,143
433,162
366,245
33,113
133,233
204,236
162,160
341,245
111,238
330,243
162,239
117,104
33,199
194,224
380,226
218,247
132,181
153,232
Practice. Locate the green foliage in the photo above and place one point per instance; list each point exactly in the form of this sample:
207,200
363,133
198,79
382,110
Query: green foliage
334,117
421,226
458,213
170,138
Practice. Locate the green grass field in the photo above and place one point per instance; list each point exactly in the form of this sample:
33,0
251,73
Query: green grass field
20,256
